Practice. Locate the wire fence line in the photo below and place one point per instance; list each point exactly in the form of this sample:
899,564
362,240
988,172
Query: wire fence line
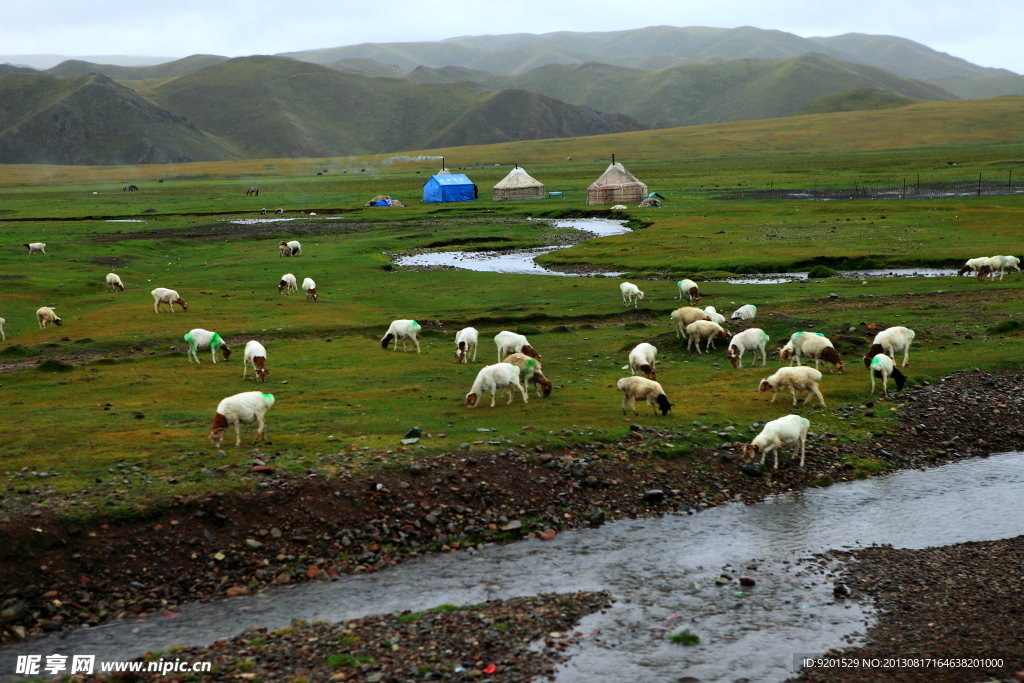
975,187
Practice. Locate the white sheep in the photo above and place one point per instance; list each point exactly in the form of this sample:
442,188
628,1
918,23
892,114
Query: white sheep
883,367
706,331
1000,265
309,287
688,288
256,356
510,342
755,339
279,212
114,282
630,294
162,295
642,359
803,378
492,378
972,265
531,370
35,247
292,248
715,316
745,312
785,431
249,406
45,316
287,284
892,341
817,347
402,329
3,335
465,343
201,340
686,315
645,389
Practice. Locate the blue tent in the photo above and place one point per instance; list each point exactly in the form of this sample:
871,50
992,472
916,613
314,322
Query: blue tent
449,188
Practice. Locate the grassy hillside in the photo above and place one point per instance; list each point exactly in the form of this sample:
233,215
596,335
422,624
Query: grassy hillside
178,67
92,120
904,57
368,67
977,88
698,93
860,99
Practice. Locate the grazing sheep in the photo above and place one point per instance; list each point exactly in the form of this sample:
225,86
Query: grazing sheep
256,356
689,289
645,389
745,312
817,347
292,248
510,342
402,329
162,295
201,340
642,359
3,335
882,366
972,265
785,431
494,377
465,343
787,352
705,330
249,406
287,284
263,212
617,207
630,294
531,370
998,264
279,212
716,317
753,340
45,316
309,287
686,315
801,378
253,191
35,248
891,341
114,282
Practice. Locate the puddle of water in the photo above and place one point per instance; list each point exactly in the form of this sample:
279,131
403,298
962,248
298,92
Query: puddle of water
651,567
254,221
779,278
519,262
126,220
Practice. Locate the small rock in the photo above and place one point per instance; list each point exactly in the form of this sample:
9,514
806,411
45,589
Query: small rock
548,535
237,591
409,442
284,577
414,433
596,518
512,526
654,496
751,469
275,533
253,544
52,625
747,581
841,590
635,428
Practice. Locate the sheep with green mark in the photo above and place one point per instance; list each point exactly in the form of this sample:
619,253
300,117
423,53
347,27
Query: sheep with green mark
883,367
817,347
530,368
689,289
247,407
202,340
404,330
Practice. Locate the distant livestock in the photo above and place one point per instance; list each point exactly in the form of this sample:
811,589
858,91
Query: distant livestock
630,293
249,406
688,288
45,316
256,356
802,378
309,287
292,248
3,336
253,191
131,188
404,330
287,284
162,295
114,282
203,340
647,390
492,378
465,343
35,247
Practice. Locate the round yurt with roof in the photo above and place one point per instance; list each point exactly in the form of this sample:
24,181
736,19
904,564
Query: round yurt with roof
518,185
616,186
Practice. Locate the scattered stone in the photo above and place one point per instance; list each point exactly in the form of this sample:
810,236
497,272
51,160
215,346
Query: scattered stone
654,496
414,433
751,469
548,535
253,544
841,590
747,581
237,591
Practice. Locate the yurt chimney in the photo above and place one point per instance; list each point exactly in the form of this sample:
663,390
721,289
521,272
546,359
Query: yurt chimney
613,159
442,163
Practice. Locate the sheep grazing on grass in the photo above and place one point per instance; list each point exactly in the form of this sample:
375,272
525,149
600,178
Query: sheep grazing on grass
465,343
891,341
883,367
263,212
292,248
972,265
162,295
817,347
309,287
686,315
753,340
510,342
201,340
688,288
1000,265
35,247
646,390
790,430
530,369
249,406
745,312
3,335
630,294
287,284
796,379
45,316
256,356
715,316
706,331
404,330
279,212
114,282
492,378
642,359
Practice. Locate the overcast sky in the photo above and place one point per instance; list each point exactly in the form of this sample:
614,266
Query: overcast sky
988,34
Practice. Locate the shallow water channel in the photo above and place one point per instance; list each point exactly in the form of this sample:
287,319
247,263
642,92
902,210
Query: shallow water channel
661,573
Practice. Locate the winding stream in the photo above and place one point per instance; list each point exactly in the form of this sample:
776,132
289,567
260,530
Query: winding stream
660,571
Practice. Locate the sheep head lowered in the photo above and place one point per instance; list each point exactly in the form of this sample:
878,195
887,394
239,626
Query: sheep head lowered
648,371
873,351
471,400
751,451
732,354
181,302
225,351
963,271
663,404
764,386
544,382
220,423
386,340
830,355
530,351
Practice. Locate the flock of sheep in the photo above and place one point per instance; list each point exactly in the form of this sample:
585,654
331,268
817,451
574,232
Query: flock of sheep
519,363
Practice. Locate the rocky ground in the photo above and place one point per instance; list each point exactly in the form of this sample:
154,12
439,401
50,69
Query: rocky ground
59,576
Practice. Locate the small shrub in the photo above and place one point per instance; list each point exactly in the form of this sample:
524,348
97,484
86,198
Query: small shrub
17,350
684,638
635,325
446,608
54,365
820,271
561,329
1006,327
408,617
528,329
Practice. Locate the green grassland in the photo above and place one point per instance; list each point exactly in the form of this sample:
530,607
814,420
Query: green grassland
343,403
